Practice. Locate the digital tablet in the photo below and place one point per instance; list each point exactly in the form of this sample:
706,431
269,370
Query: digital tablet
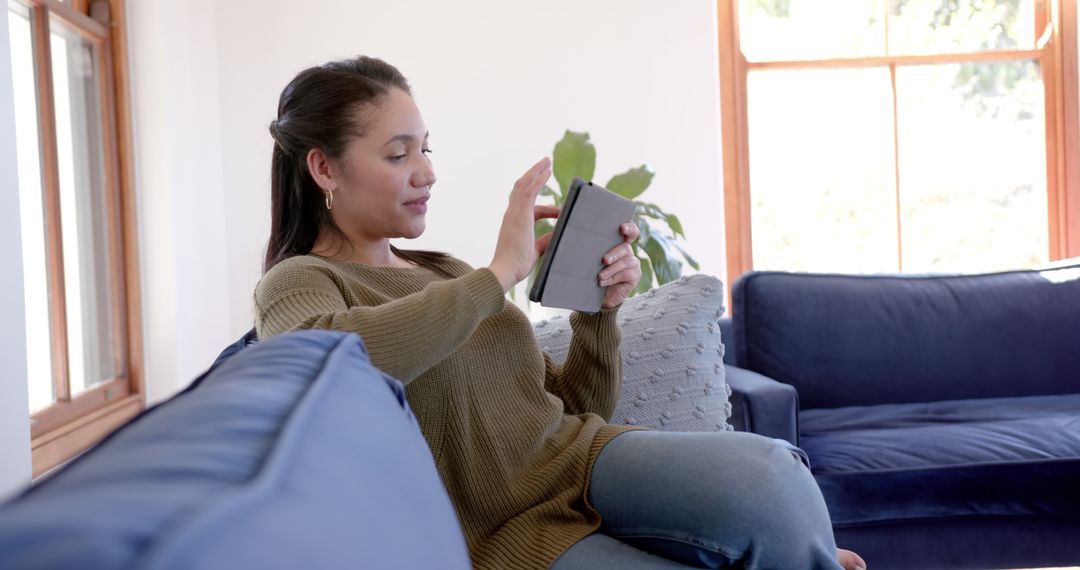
587,228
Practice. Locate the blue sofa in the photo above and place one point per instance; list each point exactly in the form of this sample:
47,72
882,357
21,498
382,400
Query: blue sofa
263,462
941,414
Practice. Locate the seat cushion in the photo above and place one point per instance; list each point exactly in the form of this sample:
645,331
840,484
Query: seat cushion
295,453
986,457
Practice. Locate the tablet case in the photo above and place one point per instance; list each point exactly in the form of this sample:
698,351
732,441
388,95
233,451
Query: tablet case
587,228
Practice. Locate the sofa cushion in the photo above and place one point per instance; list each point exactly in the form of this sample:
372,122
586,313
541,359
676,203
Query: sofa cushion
290,454
673,368
848,340
966,458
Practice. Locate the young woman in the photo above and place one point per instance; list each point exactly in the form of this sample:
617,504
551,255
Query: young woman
537,475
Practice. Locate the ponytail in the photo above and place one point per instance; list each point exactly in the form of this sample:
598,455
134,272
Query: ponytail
295,217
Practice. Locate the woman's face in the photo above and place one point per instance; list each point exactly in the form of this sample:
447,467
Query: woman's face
385,177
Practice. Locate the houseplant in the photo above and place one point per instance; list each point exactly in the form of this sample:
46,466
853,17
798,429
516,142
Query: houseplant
656,247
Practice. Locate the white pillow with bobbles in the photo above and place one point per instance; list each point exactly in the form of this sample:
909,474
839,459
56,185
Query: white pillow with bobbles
673,360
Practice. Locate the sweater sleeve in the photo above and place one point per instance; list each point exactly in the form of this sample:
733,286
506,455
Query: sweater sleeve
590,379
404,337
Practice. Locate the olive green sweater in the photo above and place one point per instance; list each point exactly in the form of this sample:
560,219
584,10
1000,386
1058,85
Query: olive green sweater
514,434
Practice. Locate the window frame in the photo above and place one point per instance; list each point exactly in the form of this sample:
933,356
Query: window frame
1057,60
71,424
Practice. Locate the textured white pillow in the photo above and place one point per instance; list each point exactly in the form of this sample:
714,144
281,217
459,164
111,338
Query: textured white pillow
673,360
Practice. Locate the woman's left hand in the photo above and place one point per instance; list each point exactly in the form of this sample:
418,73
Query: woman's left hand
623,269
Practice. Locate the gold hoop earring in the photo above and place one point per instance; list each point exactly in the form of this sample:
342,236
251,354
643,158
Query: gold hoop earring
329,199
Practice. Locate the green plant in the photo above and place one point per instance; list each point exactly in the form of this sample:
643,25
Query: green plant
575,155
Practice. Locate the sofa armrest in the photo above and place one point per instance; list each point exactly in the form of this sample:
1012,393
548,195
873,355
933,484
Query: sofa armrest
762,405
306,434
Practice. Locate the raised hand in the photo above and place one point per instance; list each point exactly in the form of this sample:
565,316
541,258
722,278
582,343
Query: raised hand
517,249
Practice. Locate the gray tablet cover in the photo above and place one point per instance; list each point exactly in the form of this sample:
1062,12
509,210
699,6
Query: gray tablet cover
587,228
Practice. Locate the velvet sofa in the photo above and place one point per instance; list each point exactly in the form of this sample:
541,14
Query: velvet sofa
941,414
291,453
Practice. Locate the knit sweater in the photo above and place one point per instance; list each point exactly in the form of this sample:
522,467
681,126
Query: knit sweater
513,433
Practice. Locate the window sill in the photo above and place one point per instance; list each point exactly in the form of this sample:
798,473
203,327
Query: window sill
58,445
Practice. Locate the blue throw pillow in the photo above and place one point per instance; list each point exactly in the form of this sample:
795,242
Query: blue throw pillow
295,453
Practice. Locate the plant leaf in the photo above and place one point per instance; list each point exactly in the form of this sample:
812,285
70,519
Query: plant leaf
665,268
548,191
651,211
645,233
668,272
675,225
656,254
644,229
632,183
648,210
574,156
689,259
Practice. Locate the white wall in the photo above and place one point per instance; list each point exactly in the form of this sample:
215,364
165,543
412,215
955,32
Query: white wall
498,82
14,412
181,197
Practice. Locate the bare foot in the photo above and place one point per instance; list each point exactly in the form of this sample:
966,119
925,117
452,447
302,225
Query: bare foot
849,560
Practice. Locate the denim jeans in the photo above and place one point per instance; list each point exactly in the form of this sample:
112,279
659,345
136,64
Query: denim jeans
712,500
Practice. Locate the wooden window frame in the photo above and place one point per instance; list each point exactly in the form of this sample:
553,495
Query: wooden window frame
1058,63
71,424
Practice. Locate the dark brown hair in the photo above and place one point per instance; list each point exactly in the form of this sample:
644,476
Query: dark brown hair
323,107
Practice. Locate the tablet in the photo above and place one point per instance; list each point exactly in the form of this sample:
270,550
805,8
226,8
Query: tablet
587,228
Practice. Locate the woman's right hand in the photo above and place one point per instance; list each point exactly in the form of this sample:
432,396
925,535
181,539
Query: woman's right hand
517,249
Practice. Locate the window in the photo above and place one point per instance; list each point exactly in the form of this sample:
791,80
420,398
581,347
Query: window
75,198
899,135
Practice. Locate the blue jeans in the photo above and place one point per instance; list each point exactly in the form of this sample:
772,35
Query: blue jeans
712,500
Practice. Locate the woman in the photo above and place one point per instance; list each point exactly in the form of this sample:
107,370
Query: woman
521,442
